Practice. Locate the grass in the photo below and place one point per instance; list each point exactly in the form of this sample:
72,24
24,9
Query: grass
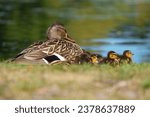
19,81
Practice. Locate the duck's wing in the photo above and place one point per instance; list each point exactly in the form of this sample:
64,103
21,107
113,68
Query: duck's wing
51,50
41,51
27,50
63,48
31,47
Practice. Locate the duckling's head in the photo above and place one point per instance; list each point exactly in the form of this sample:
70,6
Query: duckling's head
112,55
58,31
95,58
128,54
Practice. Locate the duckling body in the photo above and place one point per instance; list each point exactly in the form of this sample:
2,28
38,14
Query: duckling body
126,58
58,47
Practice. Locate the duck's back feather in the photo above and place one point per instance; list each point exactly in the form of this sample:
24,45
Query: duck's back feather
41,50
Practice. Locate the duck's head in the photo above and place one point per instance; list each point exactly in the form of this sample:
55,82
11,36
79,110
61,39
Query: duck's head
95,58
58,31
128,54
112,55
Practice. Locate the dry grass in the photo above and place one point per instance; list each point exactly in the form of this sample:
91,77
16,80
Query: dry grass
74,82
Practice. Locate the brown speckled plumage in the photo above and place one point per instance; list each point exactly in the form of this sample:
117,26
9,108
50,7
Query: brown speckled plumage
58,42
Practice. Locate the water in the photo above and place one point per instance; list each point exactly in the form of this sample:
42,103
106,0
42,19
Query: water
140,47
25,21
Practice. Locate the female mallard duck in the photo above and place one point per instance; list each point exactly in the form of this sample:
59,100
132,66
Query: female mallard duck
112,58
126,57
58,47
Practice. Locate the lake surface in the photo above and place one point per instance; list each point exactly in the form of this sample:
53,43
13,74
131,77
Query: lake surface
97,25
140,47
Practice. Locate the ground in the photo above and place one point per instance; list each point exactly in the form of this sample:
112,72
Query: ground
19,81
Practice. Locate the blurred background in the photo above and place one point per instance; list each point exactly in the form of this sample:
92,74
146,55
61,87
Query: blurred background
97,25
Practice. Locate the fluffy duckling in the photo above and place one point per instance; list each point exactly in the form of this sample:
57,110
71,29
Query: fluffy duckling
83,58
126,57
95,58
112,58
87,57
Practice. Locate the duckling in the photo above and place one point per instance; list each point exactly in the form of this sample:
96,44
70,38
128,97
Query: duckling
59,46
96,58
83,58
112,58
88,57
126,57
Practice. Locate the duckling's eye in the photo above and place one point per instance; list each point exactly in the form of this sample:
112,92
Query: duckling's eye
128,54
95,57
113,56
